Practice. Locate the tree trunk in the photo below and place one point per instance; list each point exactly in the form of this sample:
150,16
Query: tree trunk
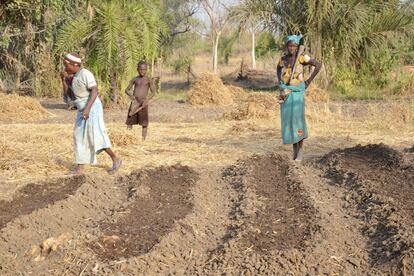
159,69
2,87
152,67
215,52
188,73
253,51
113,88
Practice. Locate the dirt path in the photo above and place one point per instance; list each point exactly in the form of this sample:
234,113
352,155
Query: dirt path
342,247
379,183
189,241
125,205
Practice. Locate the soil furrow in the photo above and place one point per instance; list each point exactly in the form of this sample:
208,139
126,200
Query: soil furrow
37,196
379,183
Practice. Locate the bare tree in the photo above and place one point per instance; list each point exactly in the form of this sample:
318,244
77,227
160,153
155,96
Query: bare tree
179,17
218,15
247,16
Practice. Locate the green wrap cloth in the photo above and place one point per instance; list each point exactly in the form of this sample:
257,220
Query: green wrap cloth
292,112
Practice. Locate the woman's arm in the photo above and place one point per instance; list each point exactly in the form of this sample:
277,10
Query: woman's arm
278,74
64,84
91,100
317,65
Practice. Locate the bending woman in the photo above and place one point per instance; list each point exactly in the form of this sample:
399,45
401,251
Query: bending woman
90,137
293,122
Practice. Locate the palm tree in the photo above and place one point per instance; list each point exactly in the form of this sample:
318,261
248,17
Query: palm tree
339,31
114,35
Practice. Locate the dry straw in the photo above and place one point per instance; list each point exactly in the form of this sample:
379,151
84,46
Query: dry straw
15,109
255,106
209,89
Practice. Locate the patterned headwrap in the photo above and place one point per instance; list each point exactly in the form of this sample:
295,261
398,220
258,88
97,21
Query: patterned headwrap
293,38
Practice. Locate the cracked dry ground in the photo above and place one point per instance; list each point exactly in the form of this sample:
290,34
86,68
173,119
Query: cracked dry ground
350,212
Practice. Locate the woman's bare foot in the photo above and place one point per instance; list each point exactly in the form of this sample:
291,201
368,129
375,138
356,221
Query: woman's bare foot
78,170
115,166
129,126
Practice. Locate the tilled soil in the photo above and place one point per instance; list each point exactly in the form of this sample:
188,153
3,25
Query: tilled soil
157,199
348,213
285,218
380,189
37,196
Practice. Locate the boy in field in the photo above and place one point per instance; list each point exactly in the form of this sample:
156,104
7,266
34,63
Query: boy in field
138,110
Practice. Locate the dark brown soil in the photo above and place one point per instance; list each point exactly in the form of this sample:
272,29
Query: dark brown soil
286,218
381,184
37,196
157,199
410,150
273,219
350,213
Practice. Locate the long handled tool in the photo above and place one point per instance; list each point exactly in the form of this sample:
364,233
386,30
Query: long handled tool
298,54
133,111
285,92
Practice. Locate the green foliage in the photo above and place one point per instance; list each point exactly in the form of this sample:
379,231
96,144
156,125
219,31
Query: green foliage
377,66
369,78
114,38
404,85
180,54
342,32
29,29
225,47
266,45
180,64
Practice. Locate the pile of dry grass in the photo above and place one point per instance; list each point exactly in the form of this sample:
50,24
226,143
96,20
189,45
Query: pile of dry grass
209,89
256,106
261,105
15,109
315,94
124,137
237,93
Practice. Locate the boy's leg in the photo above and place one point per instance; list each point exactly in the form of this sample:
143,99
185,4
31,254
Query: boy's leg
144,132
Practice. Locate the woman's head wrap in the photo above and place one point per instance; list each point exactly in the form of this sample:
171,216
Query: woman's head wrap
293,38
74,59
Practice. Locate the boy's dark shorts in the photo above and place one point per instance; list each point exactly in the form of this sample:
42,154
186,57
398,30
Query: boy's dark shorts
140,118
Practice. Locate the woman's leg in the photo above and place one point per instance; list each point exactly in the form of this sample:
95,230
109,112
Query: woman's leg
144,132
77,170
299,155
295,150
116,161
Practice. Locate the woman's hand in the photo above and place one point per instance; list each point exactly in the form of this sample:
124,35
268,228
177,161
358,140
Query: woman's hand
63,75
85,113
